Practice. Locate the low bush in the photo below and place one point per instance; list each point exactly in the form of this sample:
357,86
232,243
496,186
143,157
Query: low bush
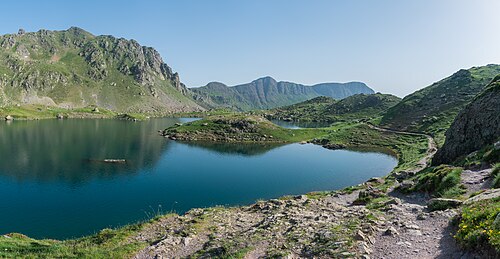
441,181
479,226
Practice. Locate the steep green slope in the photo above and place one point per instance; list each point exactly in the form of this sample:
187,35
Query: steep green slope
73,69
326,109
265,93
476,126
433,108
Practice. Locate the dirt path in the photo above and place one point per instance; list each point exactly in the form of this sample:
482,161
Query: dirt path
417,232
431,148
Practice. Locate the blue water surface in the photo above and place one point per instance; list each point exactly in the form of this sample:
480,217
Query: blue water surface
53,183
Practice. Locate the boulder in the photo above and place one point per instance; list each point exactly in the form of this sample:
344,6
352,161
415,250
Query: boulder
474,127
60,116
486,195
9,118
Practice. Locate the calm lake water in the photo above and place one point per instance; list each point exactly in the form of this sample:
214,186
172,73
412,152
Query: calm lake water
300,124
53,184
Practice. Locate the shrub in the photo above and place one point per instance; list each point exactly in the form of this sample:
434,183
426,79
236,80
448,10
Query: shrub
441,181
479,226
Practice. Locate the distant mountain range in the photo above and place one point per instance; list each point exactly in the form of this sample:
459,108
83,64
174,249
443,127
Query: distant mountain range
73,69
266,93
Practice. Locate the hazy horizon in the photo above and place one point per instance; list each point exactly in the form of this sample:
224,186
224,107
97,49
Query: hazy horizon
392,46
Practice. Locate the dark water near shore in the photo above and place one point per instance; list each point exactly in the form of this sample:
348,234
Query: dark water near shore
300,124
53,185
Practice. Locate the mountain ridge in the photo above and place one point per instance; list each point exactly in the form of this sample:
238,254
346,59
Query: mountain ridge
73,68
266,92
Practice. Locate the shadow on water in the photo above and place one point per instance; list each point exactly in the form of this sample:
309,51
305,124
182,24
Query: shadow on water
244,149
70,150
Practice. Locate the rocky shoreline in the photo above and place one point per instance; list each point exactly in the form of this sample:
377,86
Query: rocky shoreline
320,225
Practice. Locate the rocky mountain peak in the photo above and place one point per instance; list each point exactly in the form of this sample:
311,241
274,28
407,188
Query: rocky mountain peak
267,80
43,60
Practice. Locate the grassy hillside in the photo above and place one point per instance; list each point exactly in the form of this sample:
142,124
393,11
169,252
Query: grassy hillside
75,69
325,109
265,93
432,109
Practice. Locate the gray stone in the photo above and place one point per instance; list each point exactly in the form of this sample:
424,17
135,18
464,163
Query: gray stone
407,184
486,195
391,231
421,216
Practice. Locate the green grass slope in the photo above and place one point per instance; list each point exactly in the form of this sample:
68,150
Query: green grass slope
432,109
325,109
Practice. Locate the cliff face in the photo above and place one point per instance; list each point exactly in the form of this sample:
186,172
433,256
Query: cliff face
476,126
74,68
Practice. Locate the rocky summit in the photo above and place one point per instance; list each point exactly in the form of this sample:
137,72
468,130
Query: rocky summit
73,69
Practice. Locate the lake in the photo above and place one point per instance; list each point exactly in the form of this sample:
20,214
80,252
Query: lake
300,124
54,184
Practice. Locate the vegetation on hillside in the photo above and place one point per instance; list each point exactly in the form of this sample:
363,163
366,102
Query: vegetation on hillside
239,128
75,69
479,226
324,109
442,181
433,108
108,243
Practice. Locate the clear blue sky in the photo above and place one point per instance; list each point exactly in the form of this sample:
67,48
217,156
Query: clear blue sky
394,46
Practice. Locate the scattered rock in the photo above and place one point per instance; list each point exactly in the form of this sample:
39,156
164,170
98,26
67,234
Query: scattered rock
376,180
391,231
421,216
360,236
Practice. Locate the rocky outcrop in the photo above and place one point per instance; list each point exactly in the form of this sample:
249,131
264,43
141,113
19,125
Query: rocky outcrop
476,126
237,128
73,68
